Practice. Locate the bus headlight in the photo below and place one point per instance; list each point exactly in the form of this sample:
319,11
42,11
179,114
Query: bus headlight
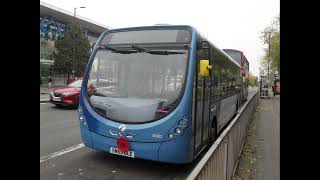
178,130
83,120
182,122
170,135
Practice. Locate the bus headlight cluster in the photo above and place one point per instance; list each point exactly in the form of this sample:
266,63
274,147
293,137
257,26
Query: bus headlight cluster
182,123
178,129
82,119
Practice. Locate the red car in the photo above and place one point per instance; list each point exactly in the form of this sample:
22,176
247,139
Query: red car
67,96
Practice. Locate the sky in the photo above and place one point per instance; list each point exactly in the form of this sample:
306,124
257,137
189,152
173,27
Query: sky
233,24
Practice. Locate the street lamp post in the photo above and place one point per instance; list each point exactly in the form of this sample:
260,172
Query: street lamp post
74,39
269,51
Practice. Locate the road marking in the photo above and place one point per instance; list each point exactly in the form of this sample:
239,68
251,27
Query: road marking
43,103
59,153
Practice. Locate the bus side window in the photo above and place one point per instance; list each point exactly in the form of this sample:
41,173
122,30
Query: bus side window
215,95
223,75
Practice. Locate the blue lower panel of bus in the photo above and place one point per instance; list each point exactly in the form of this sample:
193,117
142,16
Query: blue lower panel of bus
85,136
178,150
141,150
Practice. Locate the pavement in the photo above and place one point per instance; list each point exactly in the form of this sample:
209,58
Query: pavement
59,128
260,157
268,140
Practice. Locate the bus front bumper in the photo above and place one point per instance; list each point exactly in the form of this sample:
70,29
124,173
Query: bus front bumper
178,151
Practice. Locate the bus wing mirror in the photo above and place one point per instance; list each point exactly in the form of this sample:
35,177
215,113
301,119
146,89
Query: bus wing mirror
204,45
204,68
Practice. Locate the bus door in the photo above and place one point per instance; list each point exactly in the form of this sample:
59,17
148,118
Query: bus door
201,105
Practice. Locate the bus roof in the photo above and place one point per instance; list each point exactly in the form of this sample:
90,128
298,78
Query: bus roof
185,34
230,58
151,27
242,54
233,50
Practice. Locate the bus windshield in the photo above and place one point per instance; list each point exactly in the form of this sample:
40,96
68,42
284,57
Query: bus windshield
134,85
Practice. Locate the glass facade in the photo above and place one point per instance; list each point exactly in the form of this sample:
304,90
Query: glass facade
50,30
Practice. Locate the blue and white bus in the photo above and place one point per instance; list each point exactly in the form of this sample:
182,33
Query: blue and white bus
160,93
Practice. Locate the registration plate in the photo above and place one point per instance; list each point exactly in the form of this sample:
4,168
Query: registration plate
114,150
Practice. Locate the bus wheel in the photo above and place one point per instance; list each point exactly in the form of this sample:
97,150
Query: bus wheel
213,132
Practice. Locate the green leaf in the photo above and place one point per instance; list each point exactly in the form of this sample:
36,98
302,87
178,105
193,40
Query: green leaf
71,51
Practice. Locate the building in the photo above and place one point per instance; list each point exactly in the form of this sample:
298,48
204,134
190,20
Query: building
53,20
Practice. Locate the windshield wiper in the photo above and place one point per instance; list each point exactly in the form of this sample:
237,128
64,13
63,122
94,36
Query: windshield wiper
165,52
141,49
107,47
115,50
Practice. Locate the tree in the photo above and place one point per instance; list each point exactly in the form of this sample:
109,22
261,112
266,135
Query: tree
271,36
73,39
252,80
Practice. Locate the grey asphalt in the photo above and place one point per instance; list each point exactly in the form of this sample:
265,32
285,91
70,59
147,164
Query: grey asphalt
44,98
59,130
267,140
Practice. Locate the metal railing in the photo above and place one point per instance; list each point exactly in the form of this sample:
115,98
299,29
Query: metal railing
221,160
